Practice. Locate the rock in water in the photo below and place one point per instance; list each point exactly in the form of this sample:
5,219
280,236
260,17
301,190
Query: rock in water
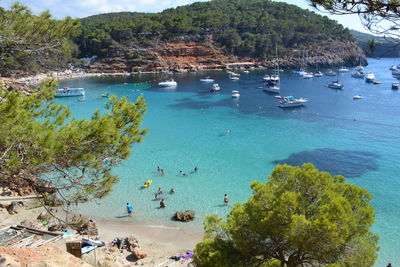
184,216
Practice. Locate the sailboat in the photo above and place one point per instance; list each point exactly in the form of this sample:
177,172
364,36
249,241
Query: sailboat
306,75
335,84
273,84
318,73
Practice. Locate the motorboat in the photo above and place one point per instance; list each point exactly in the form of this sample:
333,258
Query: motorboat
235,74
396,74
335,85
358,74
330,73
377,82
235,94
360,68
318,74
395,85
272,89
168,83
207,80
289,102
246,71
370,77
215,87
66,92
343,69
307,75
392,68
232,77
357,97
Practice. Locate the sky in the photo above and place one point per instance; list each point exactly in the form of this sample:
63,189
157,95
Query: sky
84,8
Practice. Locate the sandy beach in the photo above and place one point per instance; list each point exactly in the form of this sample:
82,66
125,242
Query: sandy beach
160,242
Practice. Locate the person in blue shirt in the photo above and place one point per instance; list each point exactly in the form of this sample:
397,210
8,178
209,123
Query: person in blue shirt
129,208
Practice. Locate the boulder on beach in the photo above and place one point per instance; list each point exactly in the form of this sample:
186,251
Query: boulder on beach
138,253
184,216
88,228
32,224
15,207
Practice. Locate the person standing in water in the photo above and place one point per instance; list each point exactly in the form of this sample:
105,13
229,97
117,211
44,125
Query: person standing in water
162,204
226,199
129,209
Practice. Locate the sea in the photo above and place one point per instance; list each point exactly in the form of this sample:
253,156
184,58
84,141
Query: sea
233,142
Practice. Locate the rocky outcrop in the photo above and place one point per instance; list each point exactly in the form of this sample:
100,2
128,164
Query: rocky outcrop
15,207
188,55
185,216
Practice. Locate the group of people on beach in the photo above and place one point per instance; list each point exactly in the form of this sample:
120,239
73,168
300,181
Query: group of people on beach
172,191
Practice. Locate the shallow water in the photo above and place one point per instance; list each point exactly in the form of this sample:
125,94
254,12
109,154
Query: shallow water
187,128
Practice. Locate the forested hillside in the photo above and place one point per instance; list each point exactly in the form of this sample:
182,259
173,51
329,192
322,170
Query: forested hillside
247,28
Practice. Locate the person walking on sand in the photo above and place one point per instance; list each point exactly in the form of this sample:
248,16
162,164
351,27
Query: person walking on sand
162,204
129,209
226,199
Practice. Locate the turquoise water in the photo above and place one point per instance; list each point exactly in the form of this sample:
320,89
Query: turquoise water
187,128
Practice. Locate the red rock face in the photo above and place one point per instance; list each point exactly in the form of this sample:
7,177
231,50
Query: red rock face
183,55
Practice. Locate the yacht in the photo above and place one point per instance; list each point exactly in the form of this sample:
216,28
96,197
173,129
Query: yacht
370,77
207,80
343,69
396,74
395,85
335,85
66,91
273,85
392,68
246,71
360,68
235,94
318,74
330,73
357,97
358,74
215,87
307,75
233,77
289,102
168,83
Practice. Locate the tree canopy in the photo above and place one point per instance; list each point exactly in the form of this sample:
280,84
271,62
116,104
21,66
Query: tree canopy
379,16
250,28
30,42
43,148
300,217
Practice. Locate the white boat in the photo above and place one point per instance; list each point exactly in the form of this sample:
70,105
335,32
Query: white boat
307,75
392,68
266,78
168,83
246,71
370,77
330,73
289,102
215,87
318,74
358,74
207,80
360,68
377,82
66,91
343,69
357,97
335,85
232,77
273,85
395,85
235,94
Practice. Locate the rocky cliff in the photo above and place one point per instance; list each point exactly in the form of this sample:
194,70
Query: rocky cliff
191,55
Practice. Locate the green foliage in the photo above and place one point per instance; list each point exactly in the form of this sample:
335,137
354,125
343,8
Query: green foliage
27,38
42,147
300,216
244,27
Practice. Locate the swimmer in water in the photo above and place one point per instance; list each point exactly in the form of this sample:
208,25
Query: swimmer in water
226,199
172,191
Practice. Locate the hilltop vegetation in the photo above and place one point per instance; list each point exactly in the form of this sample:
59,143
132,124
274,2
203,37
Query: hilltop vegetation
246,28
